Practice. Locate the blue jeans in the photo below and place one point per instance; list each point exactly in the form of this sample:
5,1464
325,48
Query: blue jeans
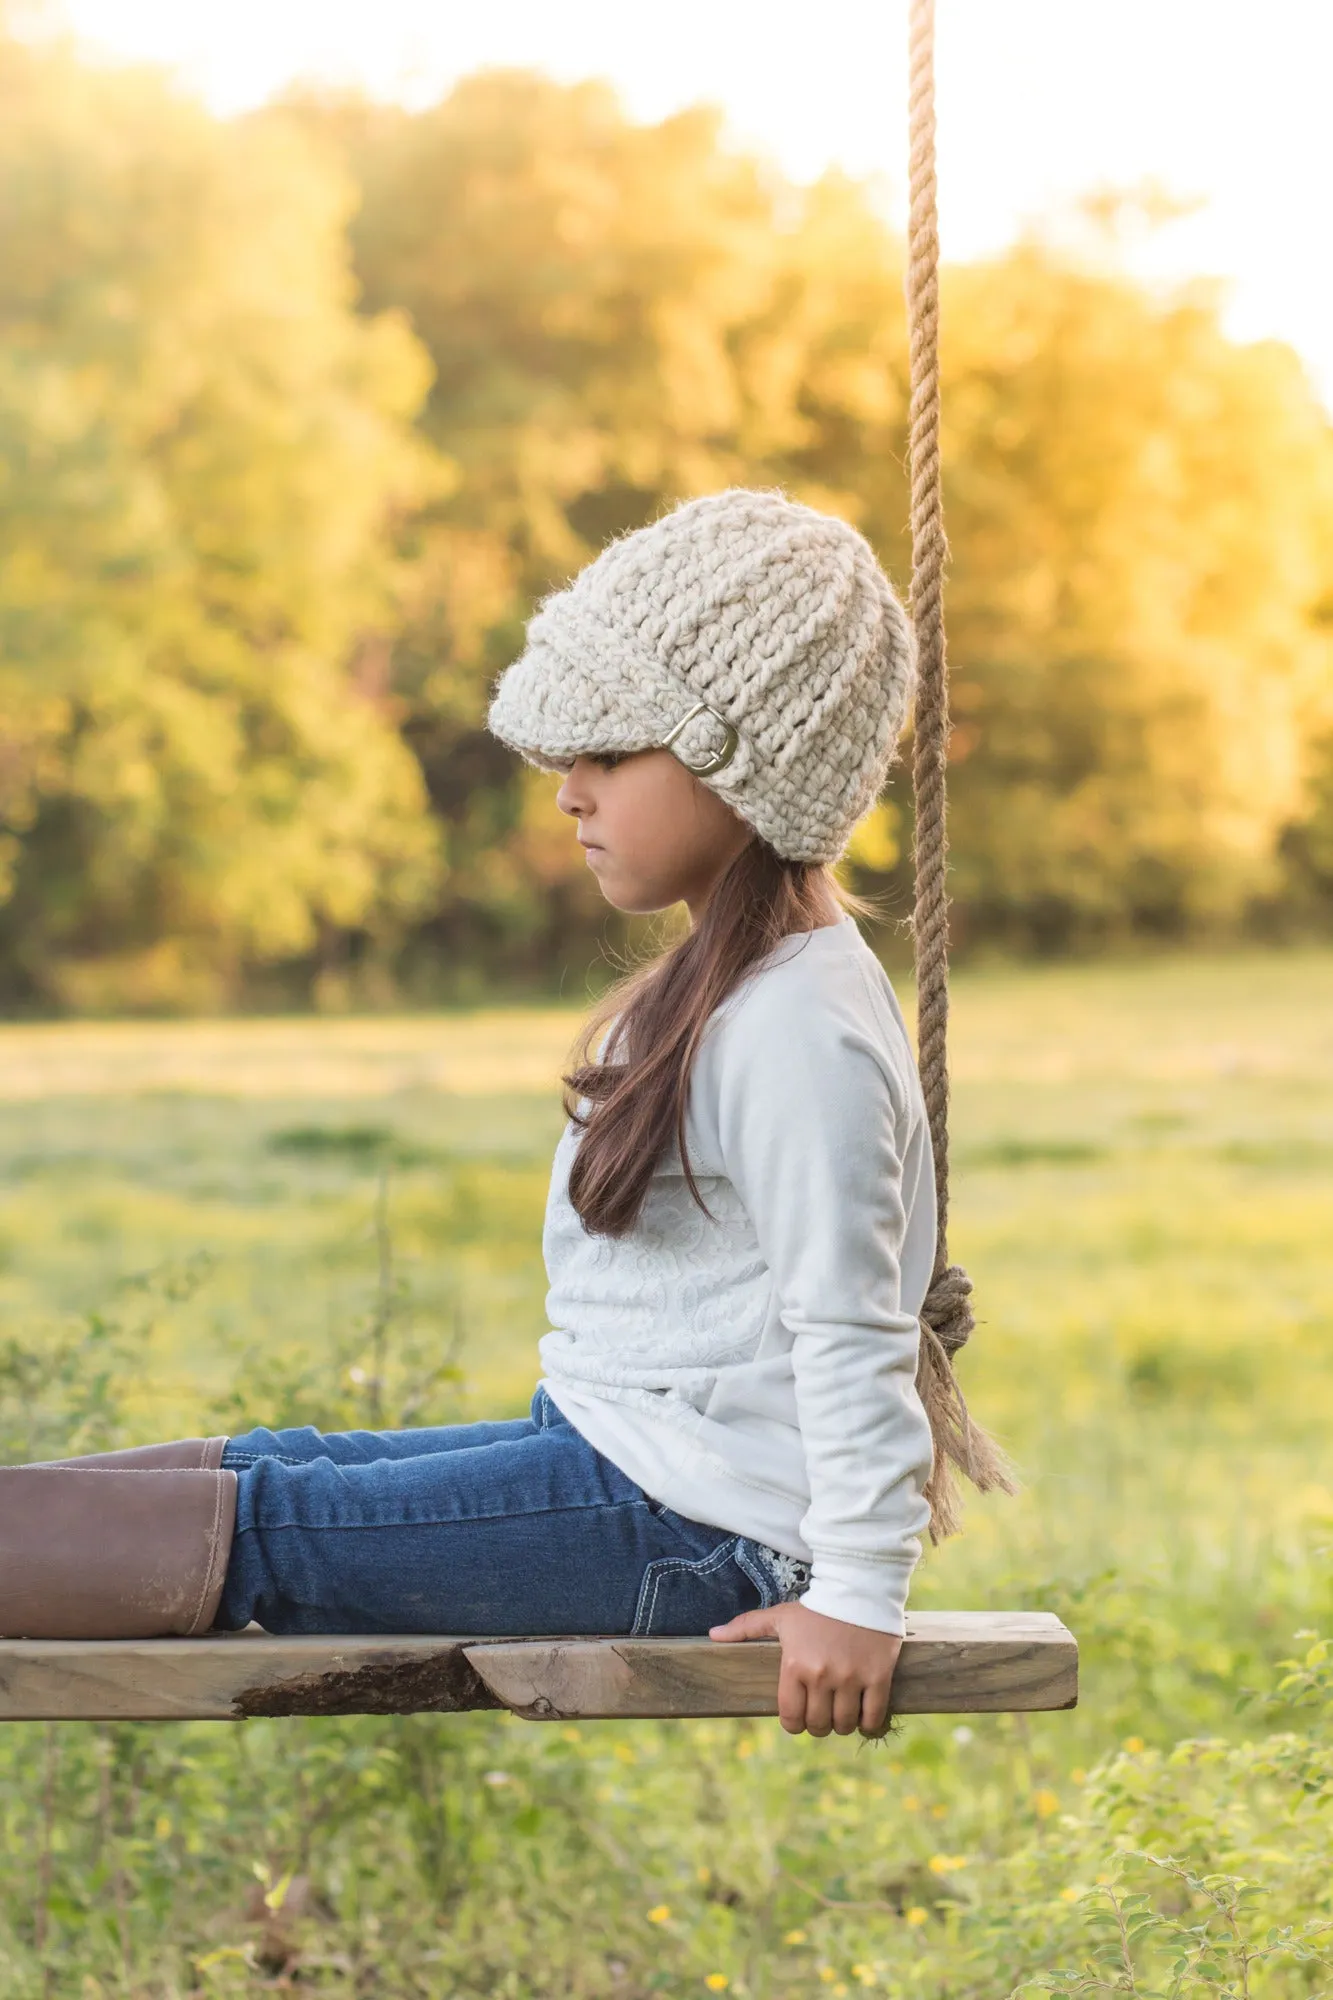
507,1528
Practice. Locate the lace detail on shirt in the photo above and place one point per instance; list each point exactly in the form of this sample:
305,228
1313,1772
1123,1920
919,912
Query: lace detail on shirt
684,1294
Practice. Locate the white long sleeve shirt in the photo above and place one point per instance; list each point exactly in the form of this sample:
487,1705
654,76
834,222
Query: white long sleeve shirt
755,1368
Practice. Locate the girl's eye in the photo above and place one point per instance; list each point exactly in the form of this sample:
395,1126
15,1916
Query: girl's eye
609,760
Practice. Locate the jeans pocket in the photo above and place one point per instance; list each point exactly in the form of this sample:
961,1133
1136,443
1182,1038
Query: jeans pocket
680,1598
781,1579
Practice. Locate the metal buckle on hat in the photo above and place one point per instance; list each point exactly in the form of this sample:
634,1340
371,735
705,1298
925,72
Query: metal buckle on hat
715,760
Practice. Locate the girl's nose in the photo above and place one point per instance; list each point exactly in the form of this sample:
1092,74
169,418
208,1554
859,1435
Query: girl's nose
570,797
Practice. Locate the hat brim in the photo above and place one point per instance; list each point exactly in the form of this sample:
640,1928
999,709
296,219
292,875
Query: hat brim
552,709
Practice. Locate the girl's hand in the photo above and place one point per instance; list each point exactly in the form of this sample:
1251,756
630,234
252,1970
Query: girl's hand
833,1675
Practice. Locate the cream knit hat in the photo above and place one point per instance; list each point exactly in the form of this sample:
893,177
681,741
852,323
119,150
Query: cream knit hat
756,639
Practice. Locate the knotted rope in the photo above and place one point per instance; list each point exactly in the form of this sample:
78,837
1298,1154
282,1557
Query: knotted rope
946,1316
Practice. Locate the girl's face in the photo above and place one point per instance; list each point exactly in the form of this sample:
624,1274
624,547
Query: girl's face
653,835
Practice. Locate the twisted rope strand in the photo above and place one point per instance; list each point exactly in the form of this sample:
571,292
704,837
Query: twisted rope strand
929,550
947,1317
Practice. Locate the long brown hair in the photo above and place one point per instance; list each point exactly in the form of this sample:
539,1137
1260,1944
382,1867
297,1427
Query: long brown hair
638,1093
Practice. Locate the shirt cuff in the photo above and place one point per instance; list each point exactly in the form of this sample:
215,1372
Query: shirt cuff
872,1594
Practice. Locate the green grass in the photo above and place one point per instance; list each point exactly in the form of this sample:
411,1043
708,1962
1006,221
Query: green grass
1144,1173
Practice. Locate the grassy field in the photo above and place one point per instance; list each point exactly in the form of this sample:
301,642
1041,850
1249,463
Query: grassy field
219,1224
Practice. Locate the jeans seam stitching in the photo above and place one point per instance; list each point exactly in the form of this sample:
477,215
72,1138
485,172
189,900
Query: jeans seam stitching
759,1574
444,1521
659,1570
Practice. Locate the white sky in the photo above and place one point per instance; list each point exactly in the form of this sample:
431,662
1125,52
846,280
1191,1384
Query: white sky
1040,100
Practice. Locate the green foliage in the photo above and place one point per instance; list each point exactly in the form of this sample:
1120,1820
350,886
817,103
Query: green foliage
300,414
1308,844
203,447
1141,511
1142,520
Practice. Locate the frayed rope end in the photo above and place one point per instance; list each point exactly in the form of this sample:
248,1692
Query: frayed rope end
946,1321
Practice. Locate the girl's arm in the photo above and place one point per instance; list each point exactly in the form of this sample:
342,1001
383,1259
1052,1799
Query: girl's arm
821,1140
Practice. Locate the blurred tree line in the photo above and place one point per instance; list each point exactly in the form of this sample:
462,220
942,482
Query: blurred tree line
300,413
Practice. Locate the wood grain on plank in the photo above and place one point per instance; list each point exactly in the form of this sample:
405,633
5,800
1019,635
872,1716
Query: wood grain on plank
228,1677
952,1662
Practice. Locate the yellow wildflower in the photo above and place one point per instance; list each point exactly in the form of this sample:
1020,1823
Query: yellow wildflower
911,1803
162,1827
1079,1775
571,1735
717,1982
1133,1744
939,1812
624,1753
745,1748
827,1974
704,1875
1045,1803
1071,1894
277,1895
916,1915
794,1937
659,1913
944,1864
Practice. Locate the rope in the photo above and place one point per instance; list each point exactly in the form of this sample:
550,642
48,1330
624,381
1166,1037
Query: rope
947,1317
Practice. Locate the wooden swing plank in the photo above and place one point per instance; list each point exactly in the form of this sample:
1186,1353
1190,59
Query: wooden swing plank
960,1662
227,1677
953,1662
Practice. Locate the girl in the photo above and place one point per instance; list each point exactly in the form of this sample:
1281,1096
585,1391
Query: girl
741,1226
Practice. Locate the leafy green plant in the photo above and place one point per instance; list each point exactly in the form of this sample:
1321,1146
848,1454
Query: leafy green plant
383,1370
1140,1949
63,1386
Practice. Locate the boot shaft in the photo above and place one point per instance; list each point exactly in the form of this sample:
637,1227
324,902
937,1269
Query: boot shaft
109,1551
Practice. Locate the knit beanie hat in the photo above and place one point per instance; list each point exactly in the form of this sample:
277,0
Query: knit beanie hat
756,639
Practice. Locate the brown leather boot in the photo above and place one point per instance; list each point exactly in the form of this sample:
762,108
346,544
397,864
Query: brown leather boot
202,1454
103,1552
